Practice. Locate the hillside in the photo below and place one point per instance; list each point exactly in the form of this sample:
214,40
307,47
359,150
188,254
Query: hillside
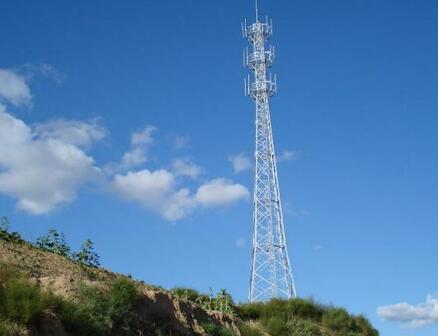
152,311
43,293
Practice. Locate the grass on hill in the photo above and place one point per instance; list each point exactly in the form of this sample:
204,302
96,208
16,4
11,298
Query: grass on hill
299,317
23,304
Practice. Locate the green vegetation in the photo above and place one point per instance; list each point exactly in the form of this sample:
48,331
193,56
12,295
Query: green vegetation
222,301
53,242
97,311
87,256
247,329
21,302
12,237
214,330
303,317
108,307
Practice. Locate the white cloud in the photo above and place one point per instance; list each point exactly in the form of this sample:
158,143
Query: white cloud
143,137
140,144
44,166
157,191
41,171
240,162
13,88
220,192
183,167
287,155
75,132
415,316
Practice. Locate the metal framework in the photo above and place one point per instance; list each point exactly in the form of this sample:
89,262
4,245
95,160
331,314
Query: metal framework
271,274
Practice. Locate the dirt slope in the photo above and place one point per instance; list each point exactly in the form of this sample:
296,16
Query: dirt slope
64,277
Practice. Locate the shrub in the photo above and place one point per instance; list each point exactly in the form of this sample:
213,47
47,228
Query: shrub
364,326
298,327
251,311
276,326
20,300
99,309
214,330
222,302
248,330
337,319
95,314
8,328
305,309
186,293
77,320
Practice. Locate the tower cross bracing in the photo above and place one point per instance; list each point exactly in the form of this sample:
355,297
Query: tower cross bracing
271,274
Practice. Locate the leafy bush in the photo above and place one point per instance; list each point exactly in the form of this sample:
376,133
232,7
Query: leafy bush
214,330
337,319
20,300
248,330
298,327
222,301
99,309
186,293
77,320
276,326
8,328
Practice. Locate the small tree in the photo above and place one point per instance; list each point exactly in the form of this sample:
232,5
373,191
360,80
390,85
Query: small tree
54,242
4,228
87,256
12,237
4,224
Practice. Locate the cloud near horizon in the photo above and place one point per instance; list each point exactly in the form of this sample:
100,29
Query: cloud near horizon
414,316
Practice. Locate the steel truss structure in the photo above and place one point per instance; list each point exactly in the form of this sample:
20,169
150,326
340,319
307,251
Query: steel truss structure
271,274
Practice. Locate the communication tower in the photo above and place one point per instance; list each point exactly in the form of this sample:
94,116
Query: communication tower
271,274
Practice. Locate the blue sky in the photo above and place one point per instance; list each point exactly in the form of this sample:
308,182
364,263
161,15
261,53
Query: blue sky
121,121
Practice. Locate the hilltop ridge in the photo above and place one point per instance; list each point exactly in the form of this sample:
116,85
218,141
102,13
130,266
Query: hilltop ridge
153,312
43,293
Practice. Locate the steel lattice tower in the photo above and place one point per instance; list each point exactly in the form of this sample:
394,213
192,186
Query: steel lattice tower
271,274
